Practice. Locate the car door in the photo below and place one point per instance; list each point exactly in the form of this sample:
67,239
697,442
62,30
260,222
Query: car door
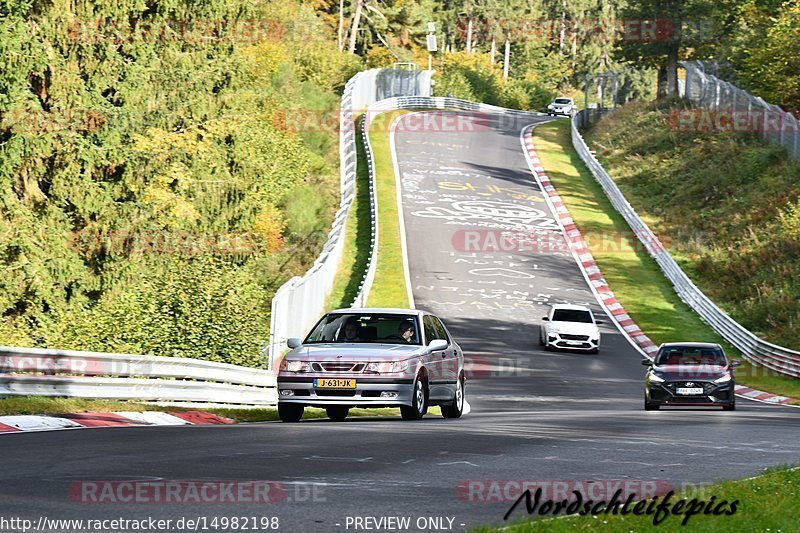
433,360
451,364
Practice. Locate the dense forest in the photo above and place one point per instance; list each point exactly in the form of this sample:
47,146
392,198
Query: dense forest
158,180
155,189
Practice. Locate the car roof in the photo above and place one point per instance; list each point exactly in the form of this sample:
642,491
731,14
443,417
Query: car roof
379,310
571,306
690,345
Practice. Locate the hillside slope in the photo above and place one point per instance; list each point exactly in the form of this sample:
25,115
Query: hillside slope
725,204
164,167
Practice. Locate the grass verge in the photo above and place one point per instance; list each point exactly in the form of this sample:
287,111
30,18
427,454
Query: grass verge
355,254
632,274
766,503
389,288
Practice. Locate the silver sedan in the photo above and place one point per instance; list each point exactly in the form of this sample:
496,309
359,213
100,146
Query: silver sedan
402,358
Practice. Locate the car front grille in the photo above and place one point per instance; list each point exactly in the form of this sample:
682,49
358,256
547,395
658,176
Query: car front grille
574,337
337,367
707,387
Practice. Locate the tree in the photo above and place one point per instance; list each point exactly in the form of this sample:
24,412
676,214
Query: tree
657,33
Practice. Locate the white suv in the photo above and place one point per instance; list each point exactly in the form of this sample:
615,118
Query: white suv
570,326
562,106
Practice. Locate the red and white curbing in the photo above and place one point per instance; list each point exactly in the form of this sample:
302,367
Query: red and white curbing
592,272
23,423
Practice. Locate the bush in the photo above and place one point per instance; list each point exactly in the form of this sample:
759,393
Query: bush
471,75
526,94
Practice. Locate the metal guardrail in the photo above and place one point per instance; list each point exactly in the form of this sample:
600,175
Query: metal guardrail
45,372
754,349
743,110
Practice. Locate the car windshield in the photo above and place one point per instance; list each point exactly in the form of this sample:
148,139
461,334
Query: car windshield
572,315
691,355
562,101
365,328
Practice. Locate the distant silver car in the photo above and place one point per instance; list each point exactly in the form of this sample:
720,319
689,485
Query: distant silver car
373,358
562,106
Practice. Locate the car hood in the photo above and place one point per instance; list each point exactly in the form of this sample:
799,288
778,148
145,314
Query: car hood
690,372
355,352
572,328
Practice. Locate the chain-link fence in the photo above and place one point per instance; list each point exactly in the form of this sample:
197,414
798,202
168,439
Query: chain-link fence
737,110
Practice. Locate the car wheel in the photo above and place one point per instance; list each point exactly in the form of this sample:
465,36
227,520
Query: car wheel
290,412
455,409
419,399
651,406
731,407
337,412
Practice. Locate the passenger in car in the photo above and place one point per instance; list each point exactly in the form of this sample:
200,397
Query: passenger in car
406,331
352,331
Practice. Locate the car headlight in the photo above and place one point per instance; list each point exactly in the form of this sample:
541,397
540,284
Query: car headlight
551,106
655,378
386,368
295,366
724,379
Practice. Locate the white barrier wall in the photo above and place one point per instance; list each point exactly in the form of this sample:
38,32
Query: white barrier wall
300,302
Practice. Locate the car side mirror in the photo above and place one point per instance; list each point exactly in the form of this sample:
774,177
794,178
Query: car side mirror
647,362
294,342
545,319
437,344
736,362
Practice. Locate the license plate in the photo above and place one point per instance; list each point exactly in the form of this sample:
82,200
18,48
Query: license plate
688,391
333,383
574,343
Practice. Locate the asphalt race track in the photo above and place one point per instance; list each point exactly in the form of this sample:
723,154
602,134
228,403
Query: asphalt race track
534,416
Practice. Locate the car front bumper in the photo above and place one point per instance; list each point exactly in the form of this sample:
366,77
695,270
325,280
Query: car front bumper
555,341
367,392
713,394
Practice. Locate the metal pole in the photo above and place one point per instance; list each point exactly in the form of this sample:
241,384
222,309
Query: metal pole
687,84
602,93
586,102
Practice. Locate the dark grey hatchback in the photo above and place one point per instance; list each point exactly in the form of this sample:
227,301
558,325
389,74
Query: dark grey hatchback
690,373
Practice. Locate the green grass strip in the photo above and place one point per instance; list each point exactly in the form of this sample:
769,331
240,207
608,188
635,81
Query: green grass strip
355,254
389,288
634,276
